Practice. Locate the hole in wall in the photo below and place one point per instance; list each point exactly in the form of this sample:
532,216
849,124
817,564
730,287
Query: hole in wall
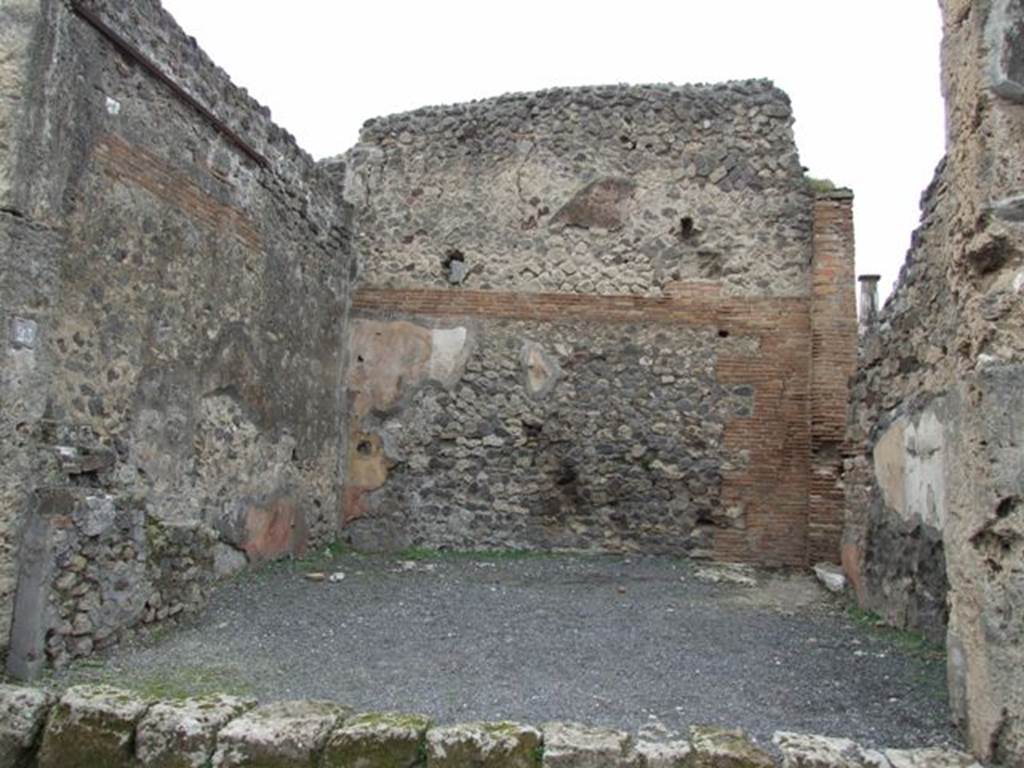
365,448
686,228
1006,507
454,264
723,334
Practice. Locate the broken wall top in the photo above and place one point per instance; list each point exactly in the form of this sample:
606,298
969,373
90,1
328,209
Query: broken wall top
610,190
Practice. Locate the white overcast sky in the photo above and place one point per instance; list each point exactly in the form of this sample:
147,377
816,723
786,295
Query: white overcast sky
863,74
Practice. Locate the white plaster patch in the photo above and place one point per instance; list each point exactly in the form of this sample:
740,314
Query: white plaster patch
910,469
447,353
925,486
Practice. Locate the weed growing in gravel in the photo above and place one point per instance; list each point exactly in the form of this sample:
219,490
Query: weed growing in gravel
907,641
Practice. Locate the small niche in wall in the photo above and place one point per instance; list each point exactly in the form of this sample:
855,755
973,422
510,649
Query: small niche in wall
454,264
686,228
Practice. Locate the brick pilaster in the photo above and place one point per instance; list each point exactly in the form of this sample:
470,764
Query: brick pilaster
833,362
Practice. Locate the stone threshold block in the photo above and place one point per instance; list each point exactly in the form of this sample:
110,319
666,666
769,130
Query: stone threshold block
805,751
92,725
22,714
929,758
183,734
724,748
378,740
571,745
483,745
282,733
664,754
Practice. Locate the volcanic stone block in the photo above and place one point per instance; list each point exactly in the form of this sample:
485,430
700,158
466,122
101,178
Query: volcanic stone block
274,734
183,734
483,745
929,758
22,713
805,751
91,726
570,745
599,205
377,740
724,748
663,754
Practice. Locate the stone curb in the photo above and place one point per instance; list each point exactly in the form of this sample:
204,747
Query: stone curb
100,725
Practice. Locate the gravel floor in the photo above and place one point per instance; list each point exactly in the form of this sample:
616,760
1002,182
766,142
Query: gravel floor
628,642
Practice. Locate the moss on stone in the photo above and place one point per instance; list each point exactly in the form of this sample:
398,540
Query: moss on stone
378,740
90,742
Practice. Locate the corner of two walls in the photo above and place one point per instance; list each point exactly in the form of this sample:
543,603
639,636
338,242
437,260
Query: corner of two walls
936,523
618,359
175,293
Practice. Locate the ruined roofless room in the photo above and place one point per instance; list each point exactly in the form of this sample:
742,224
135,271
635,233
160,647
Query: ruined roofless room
535,430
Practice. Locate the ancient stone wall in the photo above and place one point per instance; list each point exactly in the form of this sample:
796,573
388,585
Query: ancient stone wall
174,297
936,524
610,318
99,725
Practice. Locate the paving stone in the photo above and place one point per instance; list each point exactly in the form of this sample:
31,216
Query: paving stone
92,726
22,714
483,745
571,745
274,734
930,758
183,734
808,751
715,747
378,740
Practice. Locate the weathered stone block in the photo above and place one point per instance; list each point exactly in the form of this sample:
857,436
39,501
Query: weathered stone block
831,577
570,745
227,561
663,754
483,745
279,734
92,726
378,740
723,748
599,205
806,751
540,370
929,758
22,712
183,734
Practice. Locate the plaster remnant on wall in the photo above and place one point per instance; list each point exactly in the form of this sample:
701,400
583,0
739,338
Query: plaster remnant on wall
541,371
599,205
910,467
391,359
449,351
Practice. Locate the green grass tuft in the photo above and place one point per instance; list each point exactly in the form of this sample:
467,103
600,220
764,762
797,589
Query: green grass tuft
906,641
820,186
